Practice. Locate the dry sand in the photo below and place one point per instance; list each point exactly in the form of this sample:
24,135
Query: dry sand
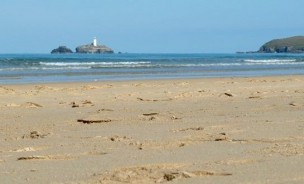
235,130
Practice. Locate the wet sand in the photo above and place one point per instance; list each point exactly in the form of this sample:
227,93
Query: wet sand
233,130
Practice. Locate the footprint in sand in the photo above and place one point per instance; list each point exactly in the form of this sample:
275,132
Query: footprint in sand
104,110
161,173
25,105
34,135
94,119
12,105
83,103
154,116
287,150
88,87
87,102
127,141
237,162
47,157
295,104
154,100
189,129
31,105
26,149
202,137
5,90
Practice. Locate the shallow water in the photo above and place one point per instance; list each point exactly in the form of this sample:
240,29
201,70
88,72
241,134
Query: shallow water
43,68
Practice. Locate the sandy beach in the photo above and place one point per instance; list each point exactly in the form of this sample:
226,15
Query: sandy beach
231,130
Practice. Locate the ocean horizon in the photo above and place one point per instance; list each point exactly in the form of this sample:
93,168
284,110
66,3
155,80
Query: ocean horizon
48,68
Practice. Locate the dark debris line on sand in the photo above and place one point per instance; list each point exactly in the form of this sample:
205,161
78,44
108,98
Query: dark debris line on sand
94,121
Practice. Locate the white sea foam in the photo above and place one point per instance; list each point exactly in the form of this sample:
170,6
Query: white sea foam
44,68
211,64
96,65
92,63
147,64
65,68
269,60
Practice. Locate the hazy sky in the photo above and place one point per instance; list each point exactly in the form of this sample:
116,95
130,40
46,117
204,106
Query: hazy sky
147,26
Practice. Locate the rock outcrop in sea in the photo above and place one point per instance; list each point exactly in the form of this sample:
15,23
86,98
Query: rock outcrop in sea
92,49
61,50
286,45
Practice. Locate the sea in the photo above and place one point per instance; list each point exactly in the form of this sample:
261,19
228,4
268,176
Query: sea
48,68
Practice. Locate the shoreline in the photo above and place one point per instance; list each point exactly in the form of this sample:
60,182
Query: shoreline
210,130
150,80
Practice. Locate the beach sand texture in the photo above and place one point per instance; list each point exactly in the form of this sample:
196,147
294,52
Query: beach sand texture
233,130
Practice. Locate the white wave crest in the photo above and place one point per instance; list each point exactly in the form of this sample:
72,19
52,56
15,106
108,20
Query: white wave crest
92,63
45,68
269,60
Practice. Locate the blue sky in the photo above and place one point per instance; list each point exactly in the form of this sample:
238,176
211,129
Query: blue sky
147,26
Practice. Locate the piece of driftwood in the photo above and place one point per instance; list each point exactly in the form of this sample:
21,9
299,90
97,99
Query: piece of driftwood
93,121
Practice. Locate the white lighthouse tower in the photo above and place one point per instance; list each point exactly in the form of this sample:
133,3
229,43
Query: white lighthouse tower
95,42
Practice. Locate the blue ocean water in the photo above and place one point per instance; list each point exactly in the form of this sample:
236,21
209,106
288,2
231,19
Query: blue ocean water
45,68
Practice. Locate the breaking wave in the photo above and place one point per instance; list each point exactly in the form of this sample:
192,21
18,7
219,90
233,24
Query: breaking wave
92,63
269,60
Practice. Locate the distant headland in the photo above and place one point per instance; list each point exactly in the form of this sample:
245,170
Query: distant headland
293,44
92,48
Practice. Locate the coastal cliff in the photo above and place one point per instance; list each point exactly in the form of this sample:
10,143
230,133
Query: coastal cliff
91,49
286,45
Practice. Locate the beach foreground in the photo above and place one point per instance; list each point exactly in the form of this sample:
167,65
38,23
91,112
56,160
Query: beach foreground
233,130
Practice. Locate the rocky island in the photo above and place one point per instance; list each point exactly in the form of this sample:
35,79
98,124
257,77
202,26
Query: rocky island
92,48
286,45
61,50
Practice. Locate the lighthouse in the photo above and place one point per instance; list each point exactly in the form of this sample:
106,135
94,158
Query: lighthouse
95,42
